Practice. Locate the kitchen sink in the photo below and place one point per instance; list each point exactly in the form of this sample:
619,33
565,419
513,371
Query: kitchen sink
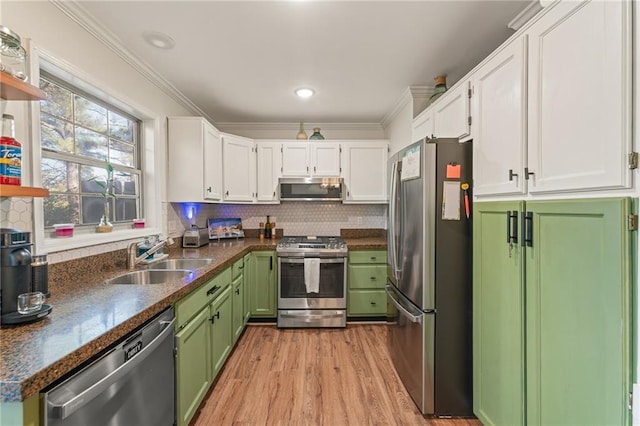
189,264
150,276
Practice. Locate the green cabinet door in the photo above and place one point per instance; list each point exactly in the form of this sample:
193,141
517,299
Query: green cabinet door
578,313
193,365
498,315
221,330
264,284
248,274
238,307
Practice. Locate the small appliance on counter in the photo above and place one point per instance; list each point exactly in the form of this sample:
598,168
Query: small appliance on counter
16,276
195,237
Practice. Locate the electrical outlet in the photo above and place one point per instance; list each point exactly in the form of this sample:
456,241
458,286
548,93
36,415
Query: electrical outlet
172,226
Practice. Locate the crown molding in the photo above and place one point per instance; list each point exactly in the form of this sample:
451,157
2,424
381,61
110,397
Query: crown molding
526,14
229,126
410,94
79,15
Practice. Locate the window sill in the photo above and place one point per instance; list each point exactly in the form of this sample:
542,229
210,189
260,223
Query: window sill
53,245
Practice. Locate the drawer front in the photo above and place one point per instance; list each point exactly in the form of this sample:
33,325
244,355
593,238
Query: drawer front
367,276
367,302
189,305
368,256
237,268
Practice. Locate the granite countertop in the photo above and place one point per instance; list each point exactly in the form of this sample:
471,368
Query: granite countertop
88,316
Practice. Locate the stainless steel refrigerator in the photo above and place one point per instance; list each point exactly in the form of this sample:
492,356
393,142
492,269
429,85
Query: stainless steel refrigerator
429,274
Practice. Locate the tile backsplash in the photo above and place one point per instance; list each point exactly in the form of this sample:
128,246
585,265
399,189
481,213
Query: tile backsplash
16,213
294,218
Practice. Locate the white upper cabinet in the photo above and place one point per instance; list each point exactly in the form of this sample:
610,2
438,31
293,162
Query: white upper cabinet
195,160
579,122
239,168
448,117
364,168
499,114
295,159
451,116
422,126
316,158
269,158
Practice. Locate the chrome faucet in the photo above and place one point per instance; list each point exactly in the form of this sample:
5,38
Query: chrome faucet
132,249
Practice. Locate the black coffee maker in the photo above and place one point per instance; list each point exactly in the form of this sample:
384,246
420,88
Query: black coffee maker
15,270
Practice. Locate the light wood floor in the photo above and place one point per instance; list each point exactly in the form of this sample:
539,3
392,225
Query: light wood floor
326,377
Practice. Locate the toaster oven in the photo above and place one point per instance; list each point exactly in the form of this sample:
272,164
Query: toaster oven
195,237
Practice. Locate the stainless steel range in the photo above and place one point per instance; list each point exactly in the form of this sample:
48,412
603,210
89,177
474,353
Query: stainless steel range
312,282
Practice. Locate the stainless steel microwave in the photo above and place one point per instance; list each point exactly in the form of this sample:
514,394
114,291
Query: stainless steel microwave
311,189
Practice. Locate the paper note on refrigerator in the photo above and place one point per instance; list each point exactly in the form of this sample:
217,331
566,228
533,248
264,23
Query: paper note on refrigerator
410,166
451,201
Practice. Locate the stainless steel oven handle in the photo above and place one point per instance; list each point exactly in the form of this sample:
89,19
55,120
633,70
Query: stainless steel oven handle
322,259
401,309
306,315
65,409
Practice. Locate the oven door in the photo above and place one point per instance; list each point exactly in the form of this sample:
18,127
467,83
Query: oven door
292,292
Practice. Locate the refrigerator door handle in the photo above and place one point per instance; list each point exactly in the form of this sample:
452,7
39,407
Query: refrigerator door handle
411,317
392,219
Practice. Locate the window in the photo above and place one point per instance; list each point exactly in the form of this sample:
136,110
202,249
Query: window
80,135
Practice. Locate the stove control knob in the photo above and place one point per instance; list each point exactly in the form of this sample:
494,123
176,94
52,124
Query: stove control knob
343,245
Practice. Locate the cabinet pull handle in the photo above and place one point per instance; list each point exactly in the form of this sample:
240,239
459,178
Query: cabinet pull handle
314,168
227,193
274,193
209,189
237,291
271,263
373,303
307,169
512,175
373,278
512,226
212,290
527,229
527,173
373,258
213,318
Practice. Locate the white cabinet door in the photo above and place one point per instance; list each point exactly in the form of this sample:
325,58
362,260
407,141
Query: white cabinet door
499,147
212,163
194,160
451,113
422,126
295,159
325,158
269,158
239,168
364,168
580,97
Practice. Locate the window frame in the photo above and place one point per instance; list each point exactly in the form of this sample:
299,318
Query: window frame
83,160
149,145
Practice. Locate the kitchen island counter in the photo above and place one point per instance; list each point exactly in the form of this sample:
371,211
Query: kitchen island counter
89,316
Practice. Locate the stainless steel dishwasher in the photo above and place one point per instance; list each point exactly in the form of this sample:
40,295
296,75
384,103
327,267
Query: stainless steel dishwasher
132,384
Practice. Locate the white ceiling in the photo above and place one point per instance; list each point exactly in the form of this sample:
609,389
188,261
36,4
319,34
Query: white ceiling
241,61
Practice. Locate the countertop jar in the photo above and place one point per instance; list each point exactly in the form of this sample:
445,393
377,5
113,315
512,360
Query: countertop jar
13,57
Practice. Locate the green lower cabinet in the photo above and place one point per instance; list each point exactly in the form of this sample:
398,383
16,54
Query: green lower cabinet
556,311
248,262
264,283
498,317
578,313
366,278
221,330
193,365
238,307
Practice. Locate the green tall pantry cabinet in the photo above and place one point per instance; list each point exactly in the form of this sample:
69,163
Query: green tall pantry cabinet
552,331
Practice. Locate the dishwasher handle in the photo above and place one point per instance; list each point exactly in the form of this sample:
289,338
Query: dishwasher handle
65,409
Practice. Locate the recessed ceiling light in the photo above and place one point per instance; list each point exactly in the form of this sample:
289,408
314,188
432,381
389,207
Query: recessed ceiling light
159,40
305,92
